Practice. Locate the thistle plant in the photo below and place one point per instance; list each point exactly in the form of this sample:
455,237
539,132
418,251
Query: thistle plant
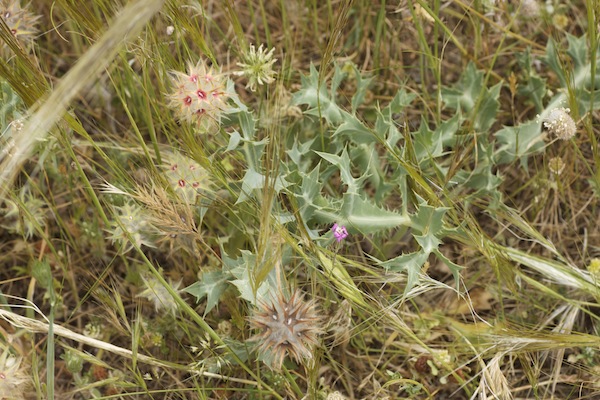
286,327
199,96
258,67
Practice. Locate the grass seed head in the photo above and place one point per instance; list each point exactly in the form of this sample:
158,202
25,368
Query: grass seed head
200,95
286,327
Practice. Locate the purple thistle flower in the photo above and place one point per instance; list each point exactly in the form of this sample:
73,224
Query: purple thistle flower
339,232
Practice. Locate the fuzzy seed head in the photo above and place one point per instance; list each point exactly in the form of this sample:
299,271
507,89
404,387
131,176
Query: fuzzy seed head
258,67
131,221
560,21
188,179
556,166
94,330
286,327
560,123
14,379
200,96
335,396
529,9
19,20
25,217
157,294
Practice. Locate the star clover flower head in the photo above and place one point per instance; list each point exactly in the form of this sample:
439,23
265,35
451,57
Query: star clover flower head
158,295
287,326
131,221
187,177
21,22
200,95
14,379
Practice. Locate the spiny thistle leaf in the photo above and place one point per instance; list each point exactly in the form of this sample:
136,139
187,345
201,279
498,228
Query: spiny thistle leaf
362,84
343,163
430,144
428,219
386,125
534,86
254,180
366,158
411,263
298,154
320,102
471,96
518,142
359,215
353,129
467,90
241,268
212,284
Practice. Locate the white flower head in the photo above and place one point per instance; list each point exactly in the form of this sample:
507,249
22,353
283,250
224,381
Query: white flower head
560,123
258,67
529,9
14,379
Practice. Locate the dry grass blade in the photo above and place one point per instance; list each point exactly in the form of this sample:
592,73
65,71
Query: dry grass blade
494,381
33,325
